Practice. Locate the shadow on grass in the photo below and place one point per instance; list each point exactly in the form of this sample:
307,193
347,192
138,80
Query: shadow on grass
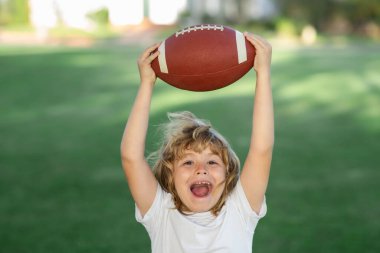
63,113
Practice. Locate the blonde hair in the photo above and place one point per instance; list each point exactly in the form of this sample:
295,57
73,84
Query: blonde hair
185,131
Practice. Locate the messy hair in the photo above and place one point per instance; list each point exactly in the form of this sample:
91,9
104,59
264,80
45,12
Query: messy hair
184,131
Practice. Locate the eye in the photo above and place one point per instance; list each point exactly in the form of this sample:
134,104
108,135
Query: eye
212,162
188,163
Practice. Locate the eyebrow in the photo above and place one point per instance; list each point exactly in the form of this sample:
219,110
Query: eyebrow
187,153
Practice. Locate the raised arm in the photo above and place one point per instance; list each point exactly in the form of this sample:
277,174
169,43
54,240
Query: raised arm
255,172
141,180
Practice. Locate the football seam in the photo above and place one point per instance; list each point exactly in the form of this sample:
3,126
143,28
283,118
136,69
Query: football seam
201,27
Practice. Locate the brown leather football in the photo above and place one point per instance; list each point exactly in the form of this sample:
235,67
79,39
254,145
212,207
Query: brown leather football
204,58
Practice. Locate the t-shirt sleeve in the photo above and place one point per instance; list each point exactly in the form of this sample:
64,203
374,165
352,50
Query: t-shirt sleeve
249,216
148,220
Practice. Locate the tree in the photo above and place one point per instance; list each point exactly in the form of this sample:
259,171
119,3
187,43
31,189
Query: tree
14,12
322,13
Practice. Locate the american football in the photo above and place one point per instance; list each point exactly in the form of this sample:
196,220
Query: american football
204,57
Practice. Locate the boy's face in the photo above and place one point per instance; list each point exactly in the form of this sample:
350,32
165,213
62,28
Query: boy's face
199,179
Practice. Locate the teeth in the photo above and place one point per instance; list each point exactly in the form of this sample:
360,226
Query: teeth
203,182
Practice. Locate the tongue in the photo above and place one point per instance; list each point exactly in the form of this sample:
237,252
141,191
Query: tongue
200,190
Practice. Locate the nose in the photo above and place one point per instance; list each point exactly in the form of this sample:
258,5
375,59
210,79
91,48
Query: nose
201,170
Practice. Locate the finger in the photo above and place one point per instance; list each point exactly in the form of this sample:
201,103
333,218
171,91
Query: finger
248,34
153,56
146,53
251,38
261,40
256,39
149,50
251,35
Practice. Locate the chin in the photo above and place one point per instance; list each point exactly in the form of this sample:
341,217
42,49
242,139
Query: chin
200,205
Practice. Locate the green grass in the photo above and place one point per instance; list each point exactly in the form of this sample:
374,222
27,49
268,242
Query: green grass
63,111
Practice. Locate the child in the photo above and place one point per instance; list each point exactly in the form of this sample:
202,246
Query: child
195,200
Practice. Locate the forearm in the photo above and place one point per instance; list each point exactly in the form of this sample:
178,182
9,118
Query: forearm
133,142
262,138
141,181
255,172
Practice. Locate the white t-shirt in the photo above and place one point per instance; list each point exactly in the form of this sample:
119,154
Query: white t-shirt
172,232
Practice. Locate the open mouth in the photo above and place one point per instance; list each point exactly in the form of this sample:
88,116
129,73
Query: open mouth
201,189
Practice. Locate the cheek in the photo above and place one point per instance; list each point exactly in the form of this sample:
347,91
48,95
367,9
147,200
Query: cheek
180,178
220,178
220,174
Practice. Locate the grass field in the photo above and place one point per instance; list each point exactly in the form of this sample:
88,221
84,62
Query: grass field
63,111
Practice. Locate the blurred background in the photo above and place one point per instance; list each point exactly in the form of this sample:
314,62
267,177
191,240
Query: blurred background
49,20
68,77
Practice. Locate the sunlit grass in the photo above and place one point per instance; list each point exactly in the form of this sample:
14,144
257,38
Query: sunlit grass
63,111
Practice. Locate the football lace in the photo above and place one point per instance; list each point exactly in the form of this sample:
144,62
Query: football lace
201,27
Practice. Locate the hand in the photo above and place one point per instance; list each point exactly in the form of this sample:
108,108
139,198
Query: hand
147,74
263,52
